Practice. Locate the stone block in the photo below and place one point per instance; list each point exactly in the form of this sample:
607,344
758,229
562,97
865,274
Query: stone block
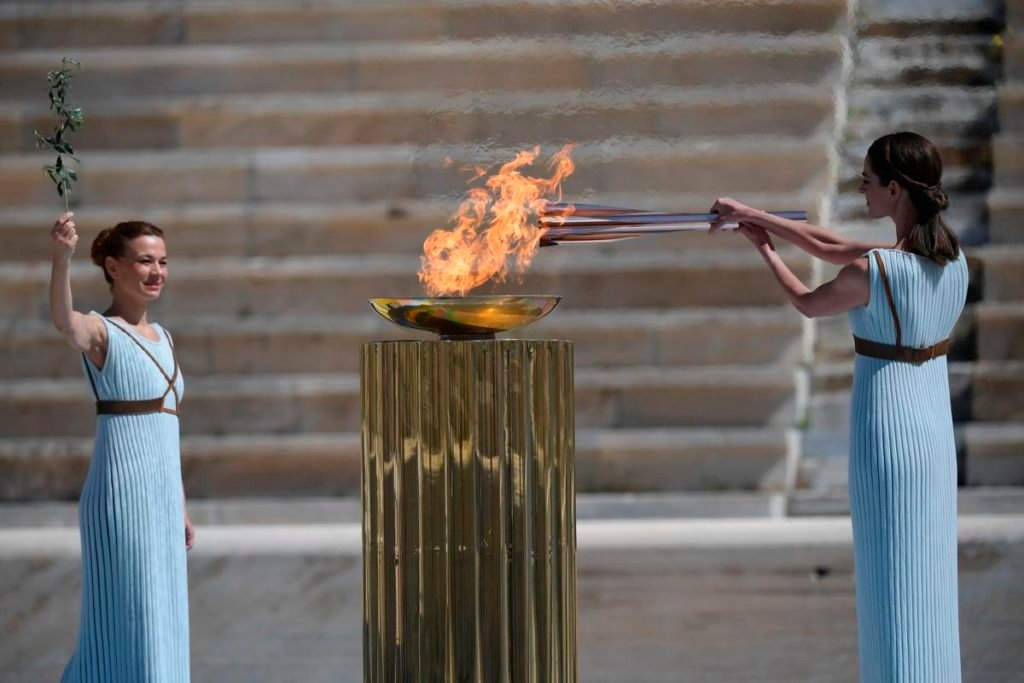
1008,161
1005,208
452,65
998,392
1003,272
342,285
735,64
129,127
1000,331
681,460
252,23
643,397
40,27
1013,57
303,404
428,120
12,134
271,345
102,25
1011,108
995,454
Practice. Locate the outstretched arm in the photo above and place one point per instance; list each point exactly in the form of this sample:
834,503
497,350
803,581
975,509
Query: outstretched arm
817,241
85,333
849,289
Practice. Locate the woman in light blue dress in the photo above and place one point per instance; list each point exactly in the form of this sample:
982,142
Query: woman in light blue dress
903,300
134,525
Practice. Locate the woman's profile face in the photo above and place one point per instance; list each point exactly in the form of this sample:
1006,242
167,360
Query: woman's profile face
142,271
879,198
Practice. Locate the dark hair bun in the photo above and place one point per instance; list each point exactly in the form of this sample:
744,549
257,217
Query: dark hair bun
935,199
113,242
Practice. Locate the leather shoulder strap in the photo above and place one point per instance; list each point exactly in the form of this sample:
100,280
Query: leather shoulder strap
172,378
888,295
151,356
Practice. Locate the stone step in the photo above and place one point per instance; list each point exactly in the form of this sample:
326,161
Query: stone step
1011,108
828,409
313,509
394,172
926,60
1005,208
983,391
1015,15
1008,161
995,454
1003,268
306,465
108,24
342,285
1000,330
311,229
313,344
1013,57
722,396
994,500
573,62
428,118
937,112
998,391
947,18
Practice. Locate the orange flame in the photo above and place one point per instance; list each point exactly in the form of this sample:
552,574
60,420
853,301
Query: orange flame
493,233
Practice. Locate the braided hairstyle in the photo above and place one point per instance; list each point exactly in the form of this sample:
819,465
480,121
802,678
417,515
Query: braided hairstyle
914,163
113,241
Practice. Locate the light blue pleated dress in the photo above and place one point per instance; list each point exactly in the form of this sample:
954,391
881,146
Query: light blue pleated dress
134,619
903,477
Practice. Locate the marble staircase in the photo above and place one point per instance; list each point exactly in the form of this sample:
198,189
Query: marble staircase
295,154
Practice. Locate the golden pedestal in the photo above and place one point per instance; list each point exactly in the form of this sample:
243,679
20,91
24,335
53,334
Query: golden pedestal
469,520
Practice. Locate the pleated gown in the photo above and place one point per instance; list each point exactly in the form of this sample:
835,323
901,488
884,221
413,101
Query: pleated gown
134,619
903,477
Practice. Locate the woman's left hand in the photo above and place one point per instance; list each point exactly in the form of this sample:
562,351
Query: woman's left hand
190,532
758,236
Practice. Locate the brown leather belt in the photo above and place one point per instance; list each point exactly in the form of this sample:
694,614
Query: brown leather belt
905,354
147,407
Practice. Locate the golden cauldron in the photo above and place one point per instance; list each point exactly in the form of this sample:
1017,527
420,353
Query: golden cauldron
472,317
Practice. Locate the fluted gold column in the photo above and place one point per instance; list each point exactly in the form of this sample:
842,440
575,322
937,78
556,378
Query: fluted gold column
469,520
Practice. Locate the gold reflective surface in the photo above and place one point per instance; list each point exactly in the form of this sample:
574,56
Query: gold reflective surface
480,316
469,519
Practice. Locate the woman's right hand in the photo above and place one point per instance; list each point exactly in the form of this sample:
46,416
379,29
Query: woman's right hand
729,211
64,237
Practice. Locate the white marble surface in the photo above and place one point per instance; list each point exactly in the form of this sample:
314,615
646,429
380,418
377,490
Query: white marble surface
659,600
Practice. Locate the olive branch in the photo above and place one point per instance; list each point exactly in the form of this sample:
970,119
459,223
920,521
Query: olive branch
70,120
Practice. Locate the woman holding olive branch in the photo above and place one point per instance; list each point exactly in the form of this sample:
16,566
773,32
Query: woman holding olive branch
134,525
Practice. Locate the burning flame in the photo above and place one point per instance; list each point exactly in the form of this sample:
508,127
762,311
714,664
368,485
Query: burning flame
493,232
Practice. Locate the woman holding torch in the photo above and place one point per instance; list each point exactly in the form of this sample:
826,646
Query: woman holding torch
903,300
134,525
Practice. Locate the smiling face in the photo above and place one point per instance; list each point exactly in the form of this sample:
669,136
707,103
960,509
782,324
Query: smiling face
141,272
881,199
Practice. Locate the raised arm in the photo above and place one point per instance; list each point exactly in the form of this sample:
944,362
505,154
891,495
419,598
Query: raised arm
817,241
84,333
849,289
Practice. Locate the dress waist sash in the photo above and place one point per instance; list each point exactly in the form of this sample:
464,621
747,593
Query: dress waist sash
905,354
